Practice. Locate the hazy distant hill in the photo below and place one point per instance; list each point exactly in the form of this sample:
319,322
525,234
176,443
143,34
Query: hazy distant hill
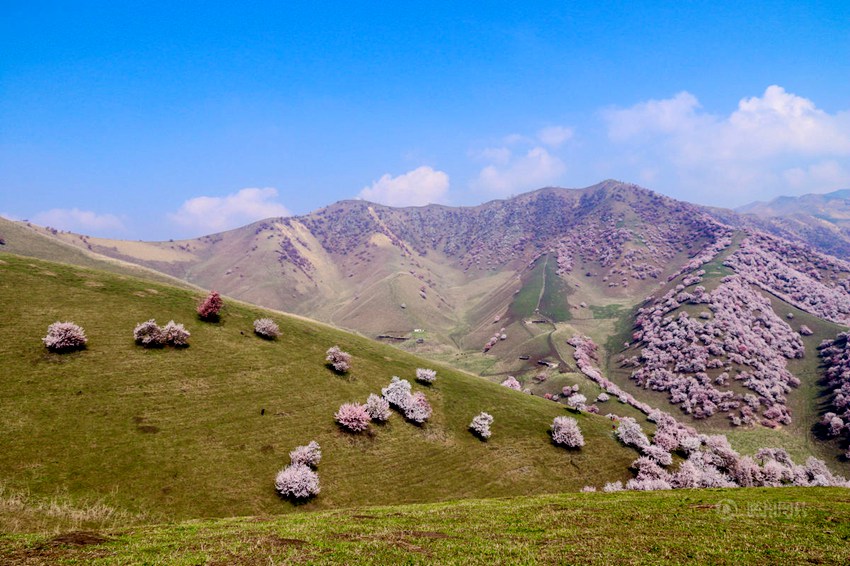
820,220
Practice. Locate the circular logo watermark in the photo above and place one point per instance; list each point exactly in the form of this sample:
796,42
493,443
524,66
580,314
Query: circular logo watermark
726,508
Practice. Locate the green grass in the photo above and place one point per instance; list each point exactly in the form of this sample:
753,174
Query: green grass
154,435
607,311
525,301
744,526
553,303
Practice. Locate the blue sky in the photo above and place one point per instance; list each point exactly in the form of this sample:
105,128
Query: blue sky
156,120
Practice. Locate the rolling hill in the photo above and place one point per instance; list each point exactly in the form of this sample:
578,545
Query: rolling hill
119,434
499,289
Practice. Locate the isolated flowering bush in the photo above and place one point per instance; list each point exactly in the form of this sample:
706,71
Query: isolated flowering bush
210,307
417,409
297,481
176,334
65,336
378,408
480,425
565,431
353,417
309,455
426,375
266,328
512,383
339,360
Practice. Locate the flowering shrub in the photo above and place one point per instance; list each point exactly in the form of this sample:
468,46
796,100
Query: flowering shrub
309,455
426,375
175,334
417,408
630,433
588,489
576,401
353,417
565,431
149,334
297,481
378,408
602,397
266,328
339,360
480,425
210,307
65,336
512,383
613,486
397,393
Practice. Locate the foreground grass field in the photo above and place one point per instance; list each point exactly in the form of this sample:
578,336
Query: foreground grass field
744,526
118,434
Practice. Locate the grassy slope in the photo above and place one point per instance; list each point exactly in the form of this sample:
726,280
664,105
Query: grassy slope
746,526
173,434
23,240
803,401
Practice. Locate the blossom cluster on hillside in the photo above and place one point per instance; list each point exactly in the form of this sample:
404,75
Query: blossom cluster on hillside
836,358
738,338
811,281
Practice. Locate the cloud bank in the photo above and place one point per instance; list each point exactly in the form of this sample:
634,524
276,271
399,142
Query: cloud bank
419,187
206,214
777,143
80,221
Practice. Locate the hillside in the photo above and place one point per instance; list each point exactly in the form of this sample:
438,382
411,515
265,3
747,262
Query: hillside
119,434
449,272
500,289
751,526
820,220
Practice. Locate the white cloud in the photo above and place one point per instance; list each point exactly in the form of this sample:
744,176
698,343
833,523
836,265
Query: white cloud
554,136
214,214
777,143
419,187
533,170
81,221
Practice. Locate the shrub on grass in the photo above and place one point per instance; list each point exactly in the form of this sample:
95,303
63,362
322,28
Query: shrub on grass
418,409
480,425
565,431
512,383
149,334
297,481
378,408
176,334
339,360
353,417
426,375
630,433
266,328
613,486
210,307
309,455
64,337
577,401
397,393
